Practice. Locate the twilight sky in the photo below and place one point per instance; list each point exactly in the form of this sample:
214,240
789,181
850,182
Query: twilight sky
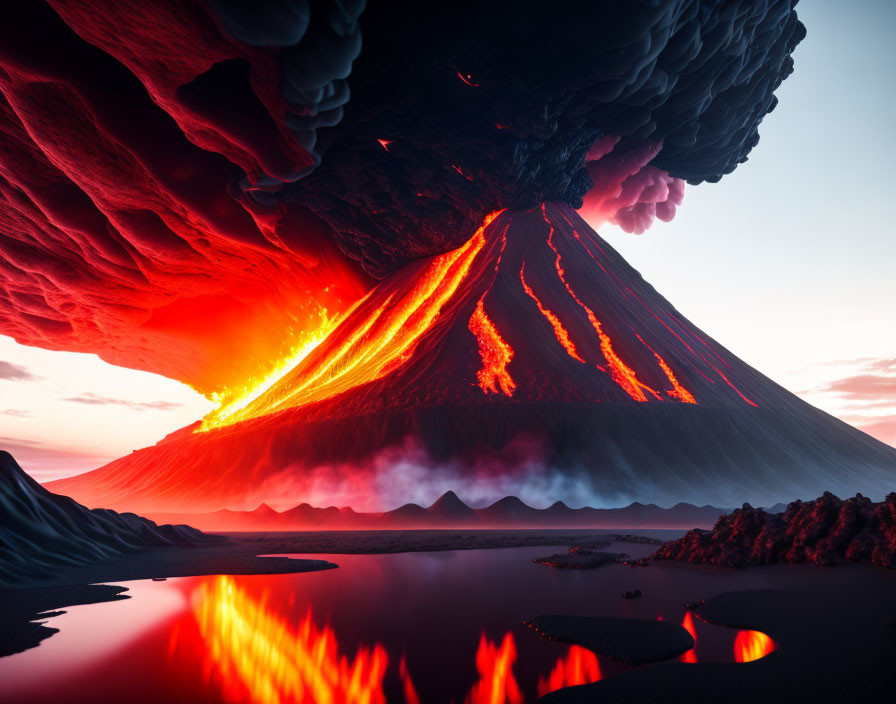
788,262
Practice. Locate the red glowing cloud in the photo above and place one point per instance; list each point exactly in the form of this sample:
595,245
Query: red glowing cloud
119,225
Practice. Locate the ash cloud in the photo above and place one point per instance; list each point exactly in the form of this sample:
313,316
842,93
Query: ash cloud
210,173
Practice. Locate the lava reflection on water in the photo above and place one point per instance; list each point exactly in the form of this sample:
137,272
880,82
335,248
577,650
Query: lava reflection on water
580,666
257,653
497,683
688,625
752,645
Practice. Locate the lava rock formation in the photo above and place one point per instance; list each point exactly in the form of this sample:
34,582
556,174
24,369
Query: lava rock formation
41,532
825,531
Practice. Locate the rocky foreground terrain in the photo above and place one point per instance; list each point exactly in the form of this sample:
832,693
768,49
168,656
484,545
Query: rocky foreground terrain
42,532
825,531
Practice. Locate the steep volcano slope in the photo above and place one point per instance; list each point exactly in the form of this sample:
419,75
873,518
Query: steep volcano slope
532,353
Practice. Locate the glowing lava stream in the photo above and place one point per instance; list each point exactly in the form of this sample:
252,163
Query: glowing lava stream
622,374
677,390
559,331
494,352
379,345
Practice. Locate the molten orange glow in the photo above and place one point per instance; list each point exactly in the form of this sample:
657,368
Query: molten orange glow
231,400
380,344
677,390
752,645
497,683
257,652
559,331
494,352
688,625
619,371
580,666
410,693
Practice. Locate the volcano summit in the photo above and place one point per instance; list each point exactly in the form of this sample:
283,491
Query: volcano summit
532,357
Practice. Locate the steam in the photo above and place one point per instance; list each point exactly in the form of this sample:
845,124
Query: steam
405,473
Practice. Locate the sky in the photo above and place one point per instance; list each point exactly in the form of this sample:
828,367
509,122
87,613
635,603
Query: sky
788,262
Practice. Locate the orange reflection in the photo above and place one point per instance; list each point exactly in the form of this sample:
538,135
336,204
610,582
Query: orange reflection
497,683
752,645
580,666
255,651
688,625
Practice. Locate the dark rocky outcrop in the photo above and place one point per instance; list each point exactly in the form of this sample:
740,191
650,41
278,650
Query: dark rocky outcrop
42,532
825,531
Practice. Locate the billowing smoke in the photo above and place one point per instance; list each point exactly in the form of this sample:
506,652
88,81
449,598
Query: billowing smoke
406,473
191,191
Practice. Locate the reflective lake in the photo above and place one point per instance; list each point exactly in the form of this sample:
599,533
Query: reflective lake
411,627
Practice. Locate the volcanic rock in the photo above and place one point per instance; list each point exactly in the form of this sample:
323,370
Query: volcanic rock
825,531
41,531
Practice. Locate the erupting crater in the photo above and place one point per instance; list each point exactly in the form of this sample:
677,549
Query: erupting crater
531,353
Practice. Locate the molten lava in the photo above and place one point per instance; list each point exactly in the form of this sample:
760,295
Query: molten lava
258,653
497,683
494,352
752,645
622,374
384,341
559,331
580,666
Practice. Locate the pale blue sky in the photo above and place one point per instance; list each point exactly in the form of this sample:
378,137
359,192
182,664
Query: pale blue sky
790,261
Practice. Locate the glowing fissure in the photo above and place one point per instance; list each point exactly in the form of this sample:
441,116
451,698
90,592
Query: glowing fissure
381,344
752,645
494,352
497,684
256,651
624,376
728,381
677,391
580,666
560,332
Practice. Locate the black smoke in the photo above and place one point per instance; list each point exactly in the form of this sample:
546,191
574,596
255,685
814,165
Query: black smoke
495,105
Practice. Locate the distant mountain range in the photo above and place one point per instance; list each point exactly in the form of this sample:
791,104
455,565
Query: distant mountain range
450,512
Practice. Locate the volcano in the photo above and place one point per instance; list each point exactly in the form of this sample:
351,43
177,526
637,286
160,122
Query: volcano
531,356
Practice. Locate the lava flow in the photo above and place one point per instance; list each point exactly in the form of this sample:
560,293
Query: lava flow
255,651
580,666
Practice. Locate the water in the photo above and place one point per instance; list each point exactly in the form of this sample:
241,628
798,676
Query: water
441,627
